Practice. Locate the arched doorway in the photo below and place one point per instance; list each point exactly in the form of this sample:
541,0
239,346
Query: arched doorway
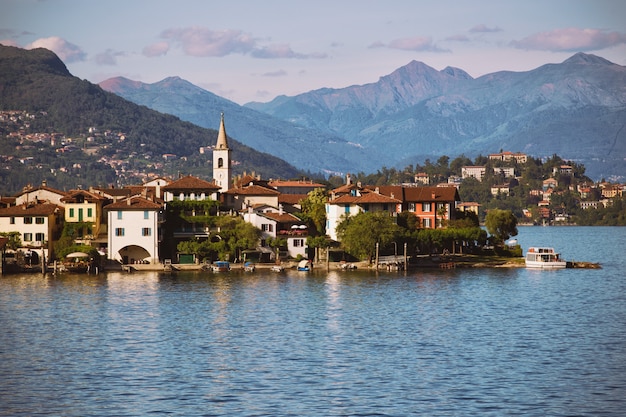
133,254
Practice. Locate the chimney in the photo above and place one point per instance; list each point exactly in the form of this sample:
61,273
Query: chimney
128,201
433,195
157,190
348,179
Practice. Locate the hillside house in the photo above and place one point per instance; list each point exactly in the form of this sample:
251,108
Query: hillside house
477,172
508,156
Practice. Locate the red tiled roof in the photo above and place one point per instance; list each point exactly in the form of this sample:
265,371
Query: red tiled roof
28,209
136,203
42,187
191,183
418,194
294,183
291,198
72,195
282,217
253,190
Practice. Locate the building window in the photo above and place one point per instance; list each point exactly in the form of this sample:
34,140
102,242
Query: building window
119,231
346,209
39,237
298,243
412,207
146,231
28,220
89,212
71,213
12,221
119,215
28,237
267,227
426,223
146,214
39,220
426,207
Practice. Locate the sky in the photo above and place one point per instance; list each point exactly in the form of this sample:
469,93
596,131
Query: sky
257,50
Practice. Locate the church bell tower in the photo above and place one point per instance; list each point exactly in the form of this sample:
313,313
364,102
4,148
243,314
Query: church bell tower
222,173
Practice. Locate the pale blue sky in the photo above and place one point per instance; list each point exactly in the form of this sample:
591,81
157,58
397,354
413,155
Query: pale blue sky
255,50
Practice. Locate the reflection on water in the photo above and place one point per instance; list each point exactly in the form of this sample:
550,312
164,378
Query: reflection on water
457,342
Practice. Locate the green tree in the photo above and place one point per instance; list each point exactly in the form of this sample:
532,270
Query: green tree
501,224
15,240
314,210
359,234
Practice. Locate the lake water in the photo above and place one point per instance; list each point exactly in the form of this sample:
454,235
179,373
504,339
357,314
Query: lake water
459,342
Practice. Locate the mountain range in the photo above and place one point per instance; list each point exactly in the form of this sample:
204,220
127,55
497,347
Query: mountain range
576,109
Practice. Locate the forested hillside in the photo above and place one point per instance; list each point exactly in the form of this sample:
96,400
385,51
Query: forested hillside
96,132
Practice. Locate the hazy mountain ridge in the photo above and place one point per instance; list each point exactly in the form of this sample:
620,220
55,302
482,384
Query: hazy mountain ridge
307,149
576,108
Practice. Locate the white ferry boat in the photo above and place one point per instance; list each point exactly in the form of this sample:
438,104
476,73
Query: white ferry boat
544,258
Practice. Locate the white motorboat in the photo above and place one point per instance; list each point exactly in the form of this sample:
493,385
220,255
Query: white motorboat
544,258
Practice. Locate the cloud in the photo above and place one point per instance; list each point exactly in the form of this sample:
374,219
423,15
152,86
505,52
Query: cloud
203,42
8,42
571,40
68,52
279,73
108,57
276,51
482,28
417,43
156,49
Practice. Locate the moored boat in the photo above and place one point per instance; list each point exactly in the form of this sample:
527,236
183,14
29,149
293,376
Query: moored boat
305,265
220,266
544,258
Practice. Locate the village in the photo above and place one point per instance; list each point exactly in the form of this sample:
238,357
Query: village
142,226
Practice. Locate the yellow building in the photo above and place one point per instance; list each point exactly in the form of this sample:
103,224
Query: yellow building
85,208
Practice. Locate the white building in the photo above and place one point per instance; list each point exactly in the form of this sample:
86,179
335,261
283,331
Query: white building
477,172
134,232
274,223
39,225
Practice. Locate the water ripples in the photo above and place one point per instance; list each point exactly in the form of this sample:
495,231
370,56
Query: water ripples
465,342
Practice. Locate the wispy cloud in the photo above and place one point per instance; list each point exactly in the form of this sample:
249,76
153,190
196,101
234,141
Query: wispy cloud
571,40
8,42
417,43
482,28
68,52
108,57
156,49
278,73
203,42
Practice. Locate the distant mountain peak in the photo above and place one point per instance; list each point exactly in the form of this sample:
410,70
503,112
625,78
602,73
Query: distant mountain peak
582,58
456,73
118,84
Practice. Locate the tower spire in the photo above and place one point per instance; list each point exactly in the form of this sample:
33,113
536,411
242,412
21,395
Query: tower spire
222,171
222,139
